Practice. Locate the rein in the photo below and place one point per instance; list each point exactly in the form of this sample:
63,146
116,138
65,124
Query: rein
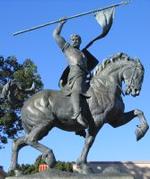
131,79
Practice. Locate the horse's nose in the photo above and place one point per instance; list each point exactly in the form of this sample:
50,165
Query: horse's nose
128,90
137,92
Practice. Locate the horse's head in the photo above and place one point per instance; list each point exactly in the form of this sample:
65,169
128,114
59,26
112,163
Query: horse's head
133,77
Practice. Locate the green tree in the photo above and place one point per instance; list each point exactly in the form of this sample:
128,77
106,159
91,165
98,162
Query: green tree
64,166
34,168
27,81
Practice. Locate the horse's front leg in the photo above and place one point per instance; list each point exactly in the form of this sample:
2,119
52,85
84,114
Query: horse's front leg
143,127
81,163
124,118
88,143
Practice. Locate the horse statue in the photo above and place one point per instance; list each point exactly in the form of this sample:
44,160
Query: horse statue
50,108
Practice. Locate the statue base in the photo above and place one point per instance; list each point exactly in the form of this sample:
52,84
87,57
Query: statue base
57,174
97,170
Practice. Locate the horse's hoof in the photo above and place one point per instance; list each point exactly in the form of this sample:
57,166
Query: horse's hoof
14,172
17,173
141,131
82,169
49,159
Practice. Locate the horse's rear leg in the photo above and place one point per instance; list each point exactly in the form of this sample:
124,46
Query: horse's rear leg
32,139
17,145
124,118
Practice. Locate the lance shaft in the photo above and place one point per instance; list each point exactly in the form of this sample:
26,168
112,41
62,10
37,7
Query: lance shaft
68,18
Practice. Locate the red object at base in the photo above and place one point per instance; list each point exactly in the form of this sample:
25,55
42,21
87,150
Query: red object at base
43,167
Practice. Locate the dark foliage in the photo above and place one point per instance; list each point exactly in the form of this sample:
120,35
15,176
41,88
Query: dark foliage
26,76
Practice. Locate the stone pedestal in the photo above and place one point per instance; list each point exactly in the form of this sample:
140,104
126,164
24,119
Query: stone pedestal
138,169
57,174
102,170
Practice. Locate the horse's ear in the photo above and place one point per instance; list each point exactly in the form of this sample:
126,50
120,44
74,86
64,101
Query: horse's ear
138,60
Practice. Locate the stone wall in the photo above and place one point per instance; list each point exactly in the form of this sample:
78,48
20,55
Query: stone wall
139,169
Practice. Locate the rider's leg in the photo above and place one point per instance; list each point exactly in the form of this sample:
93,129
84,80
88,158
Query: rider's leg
77,89
75,99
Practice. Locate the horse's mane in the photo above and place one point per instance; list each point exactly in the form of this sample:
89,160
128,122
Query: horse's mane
110,60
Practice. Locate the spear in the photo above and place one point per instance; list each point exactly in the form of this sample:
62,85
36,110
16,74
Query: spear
71,17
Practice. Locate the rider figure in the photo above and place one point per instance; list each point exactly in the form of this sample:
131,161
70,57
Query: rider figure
78,69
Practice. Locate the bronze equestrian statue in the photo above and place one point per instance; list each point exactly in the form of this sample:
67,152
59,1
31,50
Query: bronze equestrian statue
51,108
79,106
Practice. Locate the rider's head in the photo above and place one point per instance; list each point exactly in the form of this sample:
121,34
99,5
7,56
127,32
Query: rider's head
76,40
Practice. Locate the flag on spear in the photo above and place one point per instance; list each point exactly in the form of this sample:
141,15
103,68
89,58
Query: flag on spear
105,19
97,11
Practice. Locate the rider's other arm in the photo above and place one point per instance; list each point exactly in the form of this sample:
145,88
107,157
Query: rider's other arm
56,34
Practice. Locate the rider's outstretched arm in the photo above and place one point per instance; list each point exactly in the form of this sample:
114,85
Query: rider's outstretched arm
56,34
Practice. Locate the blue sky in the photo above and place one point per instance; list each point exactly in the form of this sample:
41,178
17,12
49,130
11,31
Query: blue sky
129,34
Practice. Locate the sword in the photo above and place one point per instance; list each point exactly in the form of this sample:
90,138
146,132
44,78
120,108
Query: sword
71,17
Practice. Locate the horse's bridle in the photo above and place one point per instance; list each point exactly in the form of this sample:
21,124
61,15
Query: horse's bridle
131,79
